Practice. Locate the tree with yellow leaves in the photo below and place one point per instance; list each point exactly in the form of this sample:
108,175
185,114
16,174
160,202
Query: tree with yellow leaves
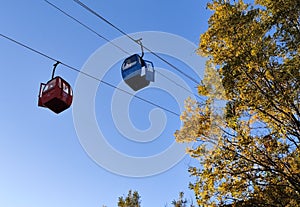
131,200
249,154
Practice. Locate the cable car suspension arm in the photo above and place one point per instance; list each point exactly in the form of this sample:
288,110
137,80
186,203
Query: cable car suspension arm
54,68
139,41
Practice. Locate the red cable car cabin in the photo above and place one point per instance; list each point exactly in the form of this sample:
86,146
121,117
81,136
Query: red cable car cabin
56,95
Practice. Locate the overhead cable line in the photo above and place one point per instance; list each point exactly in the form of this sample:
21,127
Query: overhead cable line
117,46
124,33
86,74
87,27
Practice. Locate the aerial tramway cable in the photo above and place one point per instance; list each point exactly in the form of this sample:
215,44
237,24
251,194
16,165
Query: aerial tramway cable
117,46
86,74
131,38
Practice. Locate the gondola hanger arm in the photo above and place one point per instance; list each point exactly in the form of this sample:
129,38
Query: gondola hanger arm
54,68
139,41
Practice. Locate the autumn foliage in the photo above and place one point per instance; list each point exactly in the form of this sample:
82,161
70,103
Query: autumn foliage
248,154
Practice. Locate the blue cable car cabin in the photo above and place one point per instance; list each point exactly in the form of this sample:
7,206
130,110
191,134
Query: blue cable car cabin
136,72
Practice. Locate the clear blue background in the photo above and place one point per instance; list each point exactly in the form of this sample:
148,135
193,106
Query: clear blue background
42,161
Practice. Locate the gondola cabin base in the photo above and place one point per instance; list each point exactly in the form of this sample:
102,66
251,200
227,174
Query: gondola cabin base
136,72
55,95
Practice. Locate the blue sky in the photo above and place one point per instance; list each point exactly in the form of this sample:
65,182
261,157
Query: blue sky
42,160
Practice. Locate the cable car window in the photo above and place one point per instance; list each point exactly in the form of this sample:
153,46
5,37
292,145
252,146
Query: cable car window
49,85
65,88
41,89
129,62
59,82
